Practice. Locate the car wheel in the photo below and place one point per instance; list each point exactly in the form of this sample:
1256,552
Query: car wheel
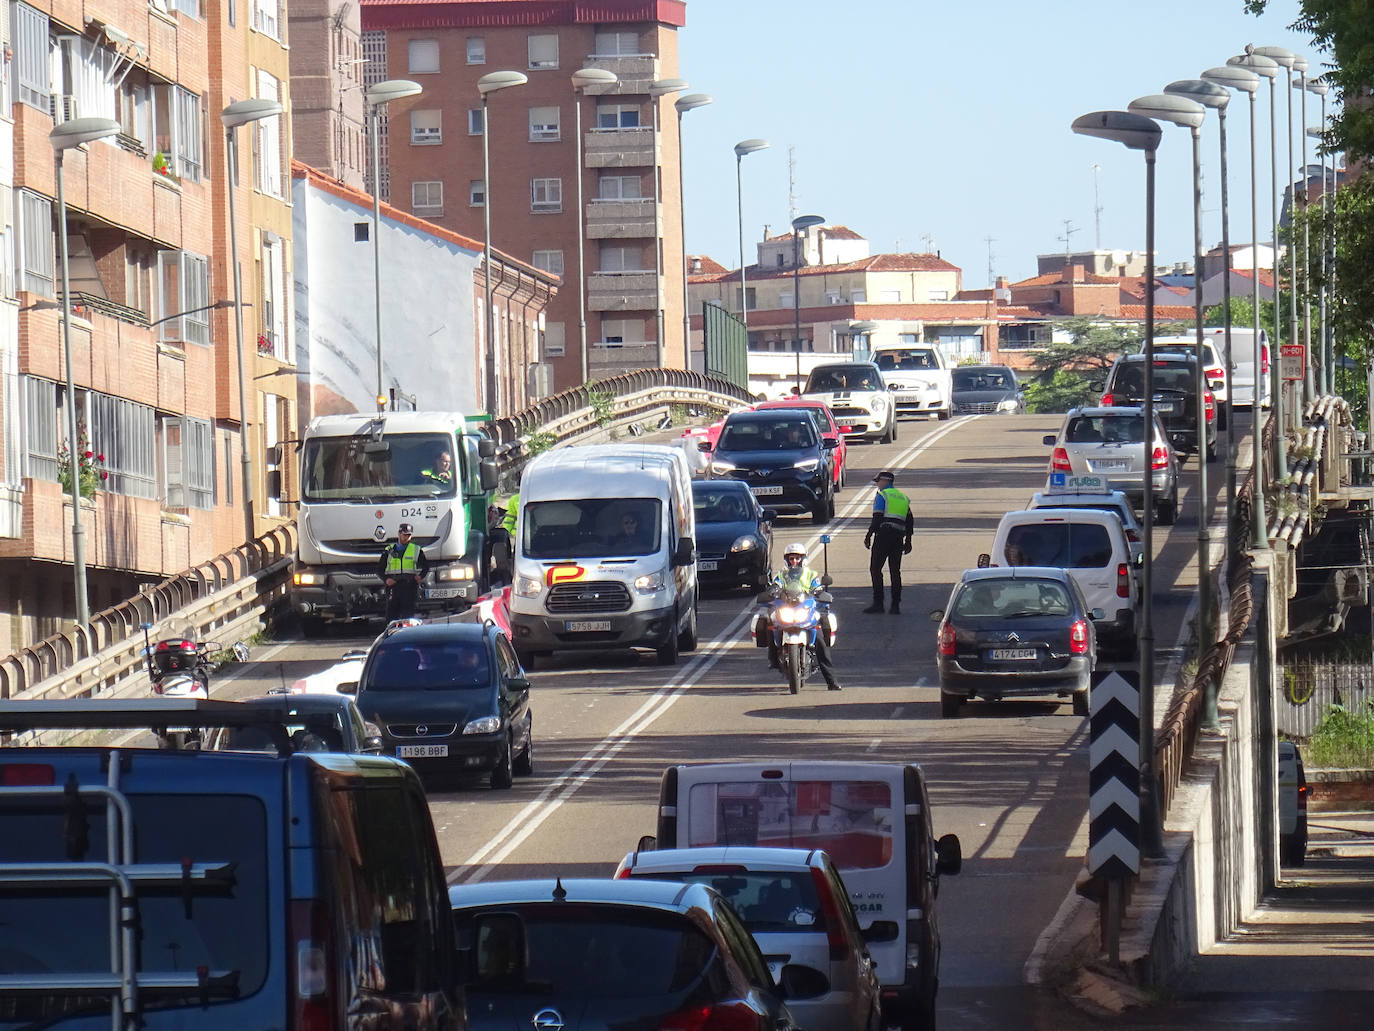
524,762
921,1016
668,650
949,704
818,514
943,414
1212,452
502,774
1166,512
1082,700
687,640
842,478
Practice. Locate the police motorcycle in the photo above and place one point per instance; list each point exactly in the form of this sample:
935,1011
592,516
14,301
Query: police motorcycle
179,667
791,618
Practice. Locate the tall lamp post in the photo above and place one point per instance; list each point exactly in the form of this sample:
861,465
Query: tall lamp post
63,137
1140,133
1319,86
487,85
690,102
378,96
242,112
658,89
741,148
581,80
799,225
1309,375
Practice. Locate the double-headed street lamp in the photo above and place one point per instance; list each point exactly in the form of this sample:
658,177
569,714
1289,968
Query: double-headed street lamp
799,225
1309,375
1137,132
741,148
582,79
1328,383
690,102
487,85
64,137
243,112
659,89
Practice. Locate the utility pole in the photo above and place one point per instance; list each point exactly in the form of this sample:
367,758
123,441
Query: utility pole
989,240
1097,208
1069,230
792,209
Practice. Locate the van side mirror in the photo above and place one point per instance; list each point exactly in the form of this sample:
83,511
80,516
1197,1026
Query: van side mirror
646,843
349,687
274,484
488,474
1048,439
949,857
1140,560
881,931
486,447
936,615
685,552
984,560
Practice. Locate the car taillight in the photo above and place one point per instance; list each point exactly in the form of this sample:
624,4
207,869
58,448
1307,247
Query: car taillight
1215,373
1133,537
946,638
1264,359
1107,400
27,775
1209,405
1160,459
1123,580
722,1016
1059,461
1078,638
314,995
830,913
1303,791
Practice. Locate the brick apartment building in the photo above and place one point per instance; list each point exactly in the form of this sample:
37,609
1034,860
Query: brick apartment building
630,204
154,359
327,107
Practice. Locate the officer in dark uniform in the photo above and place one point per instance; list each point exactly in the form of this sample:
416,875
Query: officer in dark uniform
402,567
889,538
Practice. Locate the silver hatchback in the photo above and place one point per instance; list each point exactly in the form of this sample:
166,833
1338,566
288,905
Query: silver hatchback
1103,449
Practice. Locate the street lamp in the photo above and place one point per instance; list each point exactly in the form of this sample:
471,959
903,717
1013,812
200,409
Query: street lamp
741,148
799,224
581,80
657,89
486,85
242,112
690,102
1137,132
74,133
378,96
1309,376
1319,86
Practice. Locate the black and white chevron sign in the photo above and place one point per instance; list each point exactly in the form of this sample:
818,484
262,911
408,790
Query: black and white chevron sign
1114,775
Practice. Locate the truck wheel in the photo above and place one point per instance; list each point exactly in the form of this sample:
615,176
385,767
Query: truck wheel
312,627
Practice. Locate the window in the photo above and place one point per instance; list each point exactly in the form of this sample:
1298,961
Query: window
474,121
543,51
619,258
621,332
425,127
138,276
267,145
424,56
546,195
188,462
427,198
125,433
183,287
549,261
176,127
272,320
891,296
543,123
476,50
785,299
230,451
554,346
857,296
937,295
85,76
616,44
750,295
833,297
477,193
619,187
34,233
267,18
40,428
30,32
133,111
617,116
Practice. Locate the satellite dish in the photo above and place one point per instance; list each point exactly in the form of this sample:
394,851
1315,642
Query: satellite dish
1119,258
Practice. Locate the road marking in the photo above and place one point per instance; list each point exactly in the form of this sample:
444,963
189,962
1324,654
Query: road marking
873,745
897,712
566,784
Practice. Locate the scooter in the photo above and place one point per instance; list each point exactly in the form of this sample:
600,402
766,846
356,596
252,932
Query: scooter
792,618
178,667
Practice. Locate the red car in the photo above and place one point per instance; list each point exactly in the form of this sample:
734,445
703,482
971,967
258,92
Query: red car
830,429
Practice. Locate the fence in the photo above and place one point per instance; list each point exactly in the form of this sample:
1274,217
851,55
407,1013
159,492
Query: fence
1311,689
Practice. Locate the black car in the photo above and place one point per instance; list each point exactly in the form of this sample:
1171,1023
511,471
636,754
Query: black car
633,955
1175,382
781,457
985,390
1015,632
734,535
450,697
313,723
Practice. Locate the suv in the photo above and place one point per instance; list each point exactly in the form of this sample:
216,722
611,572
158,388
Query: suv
1293,792
595,954
831,430
857,396
216,890
986,390
782,457
1175,398
1213,366
1102,449
797,908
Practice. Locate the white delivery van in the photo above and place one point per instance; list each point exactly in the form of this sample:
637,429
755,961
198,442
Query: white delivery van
872,819
605,552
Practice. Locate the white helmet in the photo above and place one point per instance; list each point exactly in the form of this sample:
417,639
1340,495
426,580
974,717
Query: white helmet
795,548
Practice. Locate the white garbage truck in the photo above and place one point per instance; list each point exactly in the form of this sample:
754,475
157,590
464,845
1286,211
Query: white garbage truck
361,476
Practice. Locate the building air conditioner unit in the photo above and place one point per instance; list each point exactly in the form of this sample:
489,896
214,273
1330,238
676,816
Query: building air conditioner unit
64,107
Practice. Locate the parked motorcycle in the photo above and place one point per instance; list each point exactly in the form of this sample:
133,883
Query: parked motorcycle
178,667
791,619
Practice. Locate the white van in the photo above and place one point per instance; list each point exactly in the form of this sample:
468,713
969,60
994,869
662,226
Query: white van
1240,387
1093,547
873,819
605,552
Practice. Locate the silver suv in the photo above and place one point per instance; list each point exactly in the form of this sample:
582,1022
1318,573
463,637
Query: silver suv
1102,449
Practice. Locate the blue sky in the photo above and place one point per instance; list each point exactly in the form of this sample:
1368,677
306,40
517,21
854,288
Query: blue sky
950,121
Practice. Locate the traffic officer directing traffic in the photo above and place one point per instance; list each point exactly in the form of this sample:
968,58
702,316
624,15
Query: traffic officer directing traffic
889,538
402,566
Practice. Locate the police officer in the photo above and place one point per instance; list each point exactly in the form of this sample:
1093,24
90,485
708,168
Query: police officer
889,538
402,566
796,571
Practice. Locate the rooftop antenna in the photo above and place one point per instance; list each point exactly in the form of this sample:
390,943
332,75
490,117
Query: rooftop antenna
929,241
1097,209
990,240
1069,230
792,209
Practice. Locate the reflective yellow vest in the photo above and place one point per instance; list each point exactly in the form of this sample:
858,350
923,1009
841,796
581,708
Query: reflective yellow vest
404,562
895,505
512,510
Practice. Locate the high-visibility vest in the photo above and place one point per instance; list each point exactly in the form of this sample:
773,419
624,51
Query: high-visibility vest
405,562
895,505
512,510
804,576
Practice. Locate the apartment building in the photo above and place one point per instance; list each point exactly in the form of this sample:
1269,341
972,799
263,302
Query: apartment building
617,241
153,350
327,108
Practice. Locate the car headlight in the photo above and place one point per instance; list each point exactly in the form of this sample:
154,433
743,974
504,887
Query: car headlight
649,583
485,725
879,403
460,571
745,543
527,587
305,578
721,468
1009,405
807,465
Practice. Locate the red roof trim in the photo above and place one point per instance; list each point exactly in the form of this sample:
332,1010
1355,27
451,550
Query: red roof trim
423,14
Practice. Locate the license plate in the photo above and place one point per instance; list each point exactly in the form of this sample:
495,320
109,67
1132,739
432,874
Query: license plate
767,491
707,565
422,751
1011,654
577,625
443,592
1165,407
1110,465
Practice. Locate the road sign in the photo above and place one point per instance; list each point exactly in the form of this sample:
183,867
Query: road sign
1114,775
1292,361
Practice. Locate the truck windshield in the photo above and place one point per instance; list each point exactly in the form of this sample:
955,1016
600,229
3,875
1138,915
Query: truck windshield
592,527
407,466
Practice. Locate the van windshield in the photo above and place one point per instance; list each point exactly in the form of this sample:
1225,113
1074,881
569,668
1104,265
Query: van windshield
592,527
851,819
1060,545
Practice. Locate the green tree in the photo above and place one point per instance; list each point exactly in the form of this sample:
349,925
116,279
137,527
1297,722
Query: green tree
1073,372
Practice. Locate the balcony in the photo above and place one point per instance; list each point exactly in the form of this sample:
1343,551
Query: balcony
623,219
610,361
622,291
636,72
620,148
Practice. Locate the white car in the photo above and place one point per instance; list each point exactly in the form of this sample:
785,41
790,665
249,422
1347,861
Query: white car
857,397
1106,500
1214,364
335,678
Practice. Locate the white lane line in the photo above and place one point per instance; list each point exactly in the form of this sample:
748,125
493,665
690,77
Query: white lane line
534,813
873,745
897,712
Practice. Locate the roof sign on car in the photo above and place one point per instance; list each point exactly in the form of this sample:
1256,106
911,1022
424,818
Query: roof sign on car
1061,483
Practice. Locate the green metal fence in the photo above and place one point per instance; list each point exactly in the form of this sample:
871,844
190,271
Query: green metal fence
726,343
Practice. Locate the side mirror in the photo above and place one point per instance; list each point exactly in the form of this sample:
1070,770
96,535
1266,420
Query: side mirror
829,444
704,445
984,560
646,843
936,615
372,744
498,948
488,474
274,454
1098,614
486,447
769,515
518,684
800,982
827,580
274,484
824,597
881,931
949,857
349,687
764,597
211,647
1048,439
685,552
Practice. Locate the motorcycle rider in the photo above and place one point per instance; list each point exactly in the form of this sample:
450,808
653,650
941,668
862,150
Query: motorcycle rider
797,573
